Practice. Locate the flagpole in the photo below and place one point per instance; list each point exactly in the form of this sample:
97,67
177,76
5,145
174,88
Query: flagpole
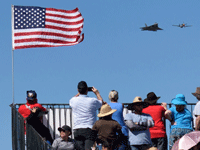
13,77
12,7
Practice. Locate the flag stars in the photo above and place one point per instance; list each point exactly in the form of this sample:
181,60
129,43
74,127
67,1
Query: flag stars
29,17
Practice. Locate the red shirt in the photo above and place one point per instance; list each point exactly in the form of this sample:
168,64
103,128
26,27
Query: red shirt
25,112
157,113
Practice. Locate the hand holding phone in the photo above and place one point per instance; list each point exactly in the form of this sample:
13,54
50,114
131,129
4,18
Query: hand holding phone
90,89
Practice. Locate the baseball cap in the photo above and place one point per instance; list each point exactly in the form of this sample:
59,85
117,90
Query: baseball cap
31,95
65,128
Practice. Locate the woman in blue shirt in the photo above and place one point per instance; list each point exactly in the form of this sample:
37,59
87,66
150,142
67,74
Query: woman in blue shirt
180,118
118,116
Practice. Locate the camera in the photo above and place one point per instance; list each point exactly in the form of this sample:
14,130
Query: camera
90,89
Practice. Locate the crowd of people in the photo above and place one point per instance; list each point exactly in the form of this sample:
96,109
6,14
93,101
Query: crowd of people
143,128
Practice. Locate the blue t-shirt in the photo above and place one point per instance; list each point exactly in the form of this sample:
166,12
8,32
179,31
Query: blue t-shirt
118,116
139,137
183,119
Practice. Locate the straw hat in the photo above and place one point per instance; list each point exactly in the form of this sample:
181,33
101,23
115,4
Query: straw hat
151,98
197,93
137,100
106,110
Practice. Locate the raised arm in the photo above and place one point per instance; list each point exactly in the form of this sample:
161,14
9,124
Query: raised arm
164,105
96,92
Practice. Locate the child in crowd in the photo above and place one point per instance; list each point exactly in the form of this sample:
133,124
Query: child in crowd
108,130
64,142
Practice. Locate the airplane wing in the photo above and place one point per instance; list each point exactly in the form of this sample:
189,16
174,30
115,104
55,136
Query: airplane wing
159,28
176,25
188,26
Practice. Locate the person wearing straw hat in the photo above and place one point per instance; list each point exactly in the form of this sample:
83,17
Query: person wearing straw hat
196,111
157,112
138,124
108,130
180,118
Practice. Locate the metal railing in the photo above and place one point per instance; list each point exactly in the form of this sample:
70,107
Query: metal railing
24,136
34,141
59,114
18,130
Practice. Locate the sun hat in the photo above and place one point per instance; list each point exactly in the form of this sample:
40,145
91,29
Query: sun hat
113,95
106,110
31,95
179,100
151,98
197,93
65,128
137,100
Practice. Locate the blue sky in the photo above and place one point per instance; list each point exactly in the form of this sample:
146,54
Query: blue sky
115,54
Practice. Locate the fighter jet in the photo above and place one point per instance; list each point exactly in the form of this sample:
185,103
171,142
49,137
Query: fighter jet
182,25
153,27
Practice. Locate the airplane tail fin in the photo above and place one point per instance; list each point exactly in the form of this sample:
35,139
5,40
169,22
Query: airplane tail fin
145,25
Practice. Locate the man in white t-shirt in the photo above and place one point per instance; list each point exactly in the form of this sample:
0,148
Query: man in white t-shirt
84,110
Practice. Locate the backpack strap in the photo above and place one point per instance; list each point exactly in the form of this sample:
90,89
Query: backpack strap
28,107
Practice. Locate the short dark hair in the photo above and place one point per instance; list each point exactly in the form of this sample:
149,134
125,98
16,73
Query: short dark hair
82,87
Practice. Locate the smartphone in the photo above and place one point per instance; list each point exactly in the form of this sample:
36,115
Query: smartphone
90,89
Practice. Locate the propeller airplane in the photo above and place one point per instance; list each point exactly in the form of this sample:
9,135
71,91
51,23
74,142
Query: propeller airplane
182,25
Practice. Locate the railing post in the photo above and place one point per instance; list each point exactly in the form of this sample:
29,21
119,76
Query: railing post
14,137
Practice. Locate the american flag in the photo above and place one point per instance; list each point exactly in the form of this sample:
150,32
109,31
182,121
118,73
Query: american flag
45,27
